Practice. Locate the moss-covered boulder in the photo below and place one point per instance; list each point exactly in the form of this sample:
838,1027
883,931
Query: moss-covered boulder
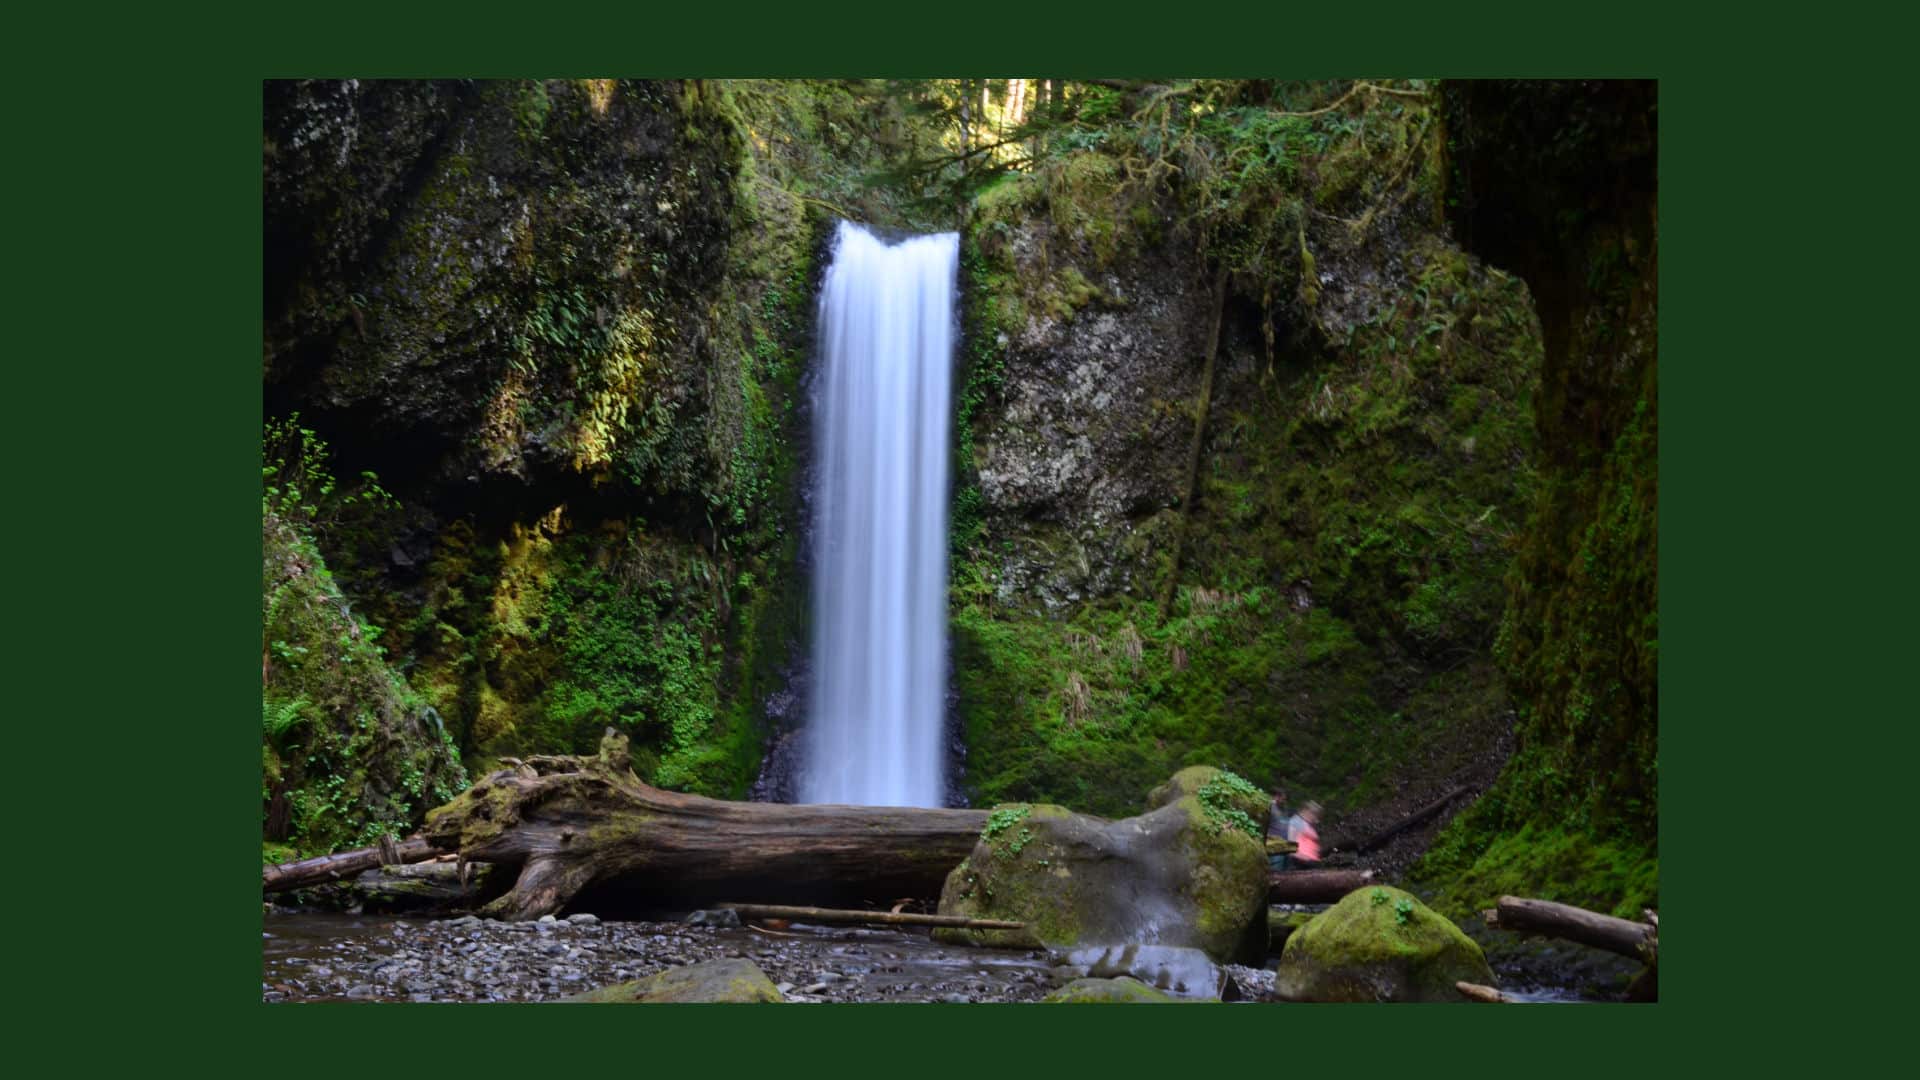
1216,787
1379,944
716,980
1107,991
1190,873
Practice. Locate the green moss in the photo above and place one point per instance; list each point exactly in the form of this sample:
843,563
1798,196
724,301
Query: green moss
1108,992
732,981
1379,944
1473,865
350,752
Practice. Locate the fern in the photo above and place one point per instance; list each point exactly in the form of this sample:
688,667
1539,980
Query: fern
279,717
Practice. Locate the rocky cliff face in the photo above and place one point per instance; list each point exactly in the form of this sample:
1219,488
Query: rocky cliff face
1364,465
499,280
565,323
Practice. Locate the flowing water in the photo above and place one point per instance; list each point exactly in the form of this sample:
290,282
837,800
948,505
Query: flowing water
887,328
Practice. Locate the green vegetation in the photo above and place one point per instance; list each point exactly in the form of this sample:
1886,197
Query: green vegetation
1379,945
349,752
567,321
1225,797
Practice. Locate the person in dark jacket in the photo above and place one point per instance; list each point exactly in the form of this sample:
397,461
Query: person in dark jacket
1277,820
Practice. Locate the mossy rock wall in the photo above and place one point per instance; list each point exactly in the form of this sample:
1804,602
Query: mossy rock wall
1178,875
1367,461
1379,944
1557,182
565,321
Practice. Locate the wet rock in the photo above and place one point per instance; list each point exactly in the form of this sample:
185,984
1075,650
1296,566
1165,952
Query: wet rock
714,917
583,919
715,981
1103,991
1180,875
1187,973
1379,944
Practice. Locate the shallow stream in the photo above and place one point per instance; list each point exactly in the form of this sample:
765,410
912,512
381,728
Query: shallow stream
312,956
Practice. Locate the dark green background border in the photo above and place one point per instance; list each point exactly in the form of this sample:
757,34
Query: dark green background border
147,200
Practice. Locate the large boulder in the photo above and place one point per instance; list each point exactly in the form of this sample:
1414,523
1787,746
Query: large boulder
1190,873
1107,991
717,980
1379,944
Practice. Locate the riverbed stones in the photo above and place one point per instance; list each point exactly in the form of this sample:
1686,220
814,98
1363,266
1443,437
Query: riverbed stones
730,980
1184,874
1379,944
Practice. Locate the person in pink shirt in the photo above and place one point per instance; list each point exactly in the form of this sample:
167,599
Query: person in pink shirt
1306,838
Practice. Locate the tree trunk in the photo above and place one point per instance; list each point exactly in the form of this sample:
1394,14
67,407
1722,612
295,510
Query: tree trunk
1640,941
573,824
1314,886
966,89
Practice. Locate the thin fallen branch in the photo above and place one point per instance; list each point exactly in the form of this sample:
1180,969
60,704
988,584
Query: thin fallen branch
342,865
873,918
1484,994
1201,409
1405,823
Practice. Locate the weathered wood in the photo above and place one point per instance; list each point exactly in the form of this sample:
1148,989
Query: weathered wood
576,823
1484,994
1314,886
345,864
875,918
1640,941
1405,823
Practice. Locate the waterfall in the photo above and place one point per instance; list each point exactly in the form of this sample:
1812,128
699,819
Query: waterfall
874,734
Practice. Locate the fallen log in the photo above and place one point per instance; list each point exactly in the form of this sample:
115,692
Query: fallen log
346,864
845,916
1639,941
1484,994
571,824
1314,886
1405,823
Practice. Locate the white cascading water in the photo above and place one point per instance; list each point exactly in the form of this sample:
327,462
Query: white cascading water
874,736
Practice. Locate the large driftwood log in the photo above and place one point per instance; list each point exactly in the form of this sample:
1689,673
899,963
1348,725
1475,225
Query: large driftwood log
1640,941
571,824
1314,886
